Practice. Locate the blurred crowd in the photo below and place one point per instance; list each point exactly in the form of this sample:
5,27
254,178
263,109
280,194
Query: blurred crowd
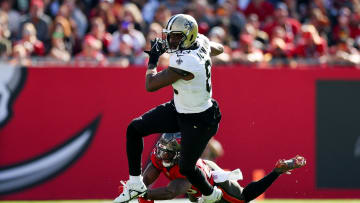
256,32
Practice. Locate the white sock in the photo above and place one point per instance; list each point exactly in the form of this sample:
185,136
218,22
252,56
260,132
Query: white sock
135,178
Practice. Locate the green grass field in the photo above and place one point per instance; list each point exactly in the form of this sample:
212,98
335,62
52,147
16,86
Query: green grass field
183,200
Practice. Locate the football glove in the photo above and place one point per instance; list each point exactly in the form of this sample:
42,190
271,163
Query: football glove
143,200
157,49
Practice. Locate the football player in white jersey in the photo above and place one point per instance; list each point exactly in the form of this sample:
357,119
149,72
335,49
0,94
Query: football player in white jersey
192,111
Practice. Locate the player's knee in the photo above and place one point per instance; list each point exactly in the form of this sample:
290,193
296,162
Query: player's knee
132,130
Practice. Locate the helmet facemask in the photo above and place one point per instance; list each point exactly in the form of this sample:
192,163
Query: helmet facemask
180,32
167,156
174,40
168,149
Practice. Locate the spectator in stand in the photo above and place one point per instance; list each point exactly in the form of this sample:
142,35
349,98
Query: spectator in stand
290,25
279,50
261,38
342,30
253,28
128,43
5,43
79,21
175,6
13,16
355,20
38,19
148,10
19,56
292,8
319,20
58,50
311,45
344,53
53,8
91,53
33,46
205,18
235,21
155,32
247,53
98,31
105,11
280,32
162,15
133,14
64,23
262,8
218,34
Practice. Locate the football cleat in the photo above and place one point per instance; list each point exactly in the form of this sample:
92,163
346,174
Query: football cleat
130,190
214,197
285,166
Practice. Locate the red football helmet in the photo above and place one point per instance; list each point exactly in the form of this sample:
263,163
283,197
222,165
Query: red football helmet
168,148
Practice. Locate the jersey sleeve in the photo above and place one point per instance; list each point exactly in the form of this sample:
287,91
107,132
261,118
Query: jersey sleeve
204,41
186,62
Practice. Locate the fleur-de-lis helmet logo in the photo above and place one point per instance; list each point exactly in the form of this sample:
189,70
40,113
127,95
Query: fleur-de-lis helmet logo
188,25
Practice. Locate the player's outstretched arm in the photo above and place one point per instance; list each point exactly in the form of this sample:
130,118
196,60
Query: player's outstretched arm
150,174
216,48
173,189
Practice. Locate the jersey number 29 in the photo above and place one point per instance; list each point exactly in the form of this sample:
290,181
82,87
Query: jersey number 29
208,75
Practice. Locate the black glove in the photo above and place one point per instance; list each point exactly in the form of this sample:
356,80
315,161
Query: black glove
157,49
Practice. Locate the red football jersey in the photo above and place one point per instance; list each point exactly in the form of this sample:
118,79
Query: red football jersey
173,172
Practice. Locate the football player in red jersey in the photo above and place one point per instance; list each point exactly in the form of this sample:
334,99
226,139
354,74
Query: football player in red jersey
164,159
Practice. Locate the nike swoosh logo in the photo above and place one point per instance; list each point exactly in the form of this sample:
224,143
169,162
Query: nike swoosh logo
32,172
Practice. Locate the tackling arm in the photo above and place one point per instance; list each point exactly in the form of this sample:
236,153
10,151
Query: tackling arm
150,174
216,48
173,189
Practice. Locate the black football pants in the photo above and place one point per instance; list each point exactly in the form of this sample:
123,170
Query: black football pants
196,130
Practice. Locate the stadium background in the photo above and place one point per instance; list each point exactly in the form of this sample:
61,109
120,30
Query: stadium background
287,84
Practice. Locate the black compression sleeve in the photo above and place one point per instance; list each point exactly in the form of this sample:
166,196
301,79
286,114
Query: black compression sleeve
254,189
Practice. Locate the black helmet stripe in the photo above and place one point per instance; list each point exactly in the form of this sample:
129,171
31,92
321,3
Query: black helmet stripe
171,22
167,26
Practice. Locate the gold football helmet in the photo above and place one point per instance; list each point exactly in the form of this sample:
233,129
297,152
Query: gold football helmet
180,32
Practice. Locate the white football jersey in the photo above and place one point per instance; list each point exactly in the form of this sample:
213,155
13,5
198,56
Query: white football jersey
193,96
